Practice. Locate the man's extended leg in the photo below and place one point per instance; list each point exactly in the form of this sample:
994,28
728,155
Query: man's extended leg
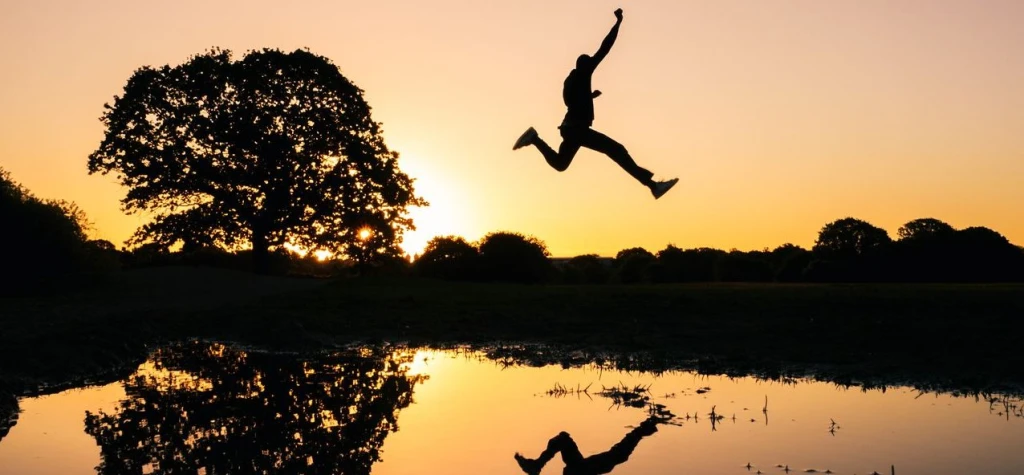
559,160
604,462
599,142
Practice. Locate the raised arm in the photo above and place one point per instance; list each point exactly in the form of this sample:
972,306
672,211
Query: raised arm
609,40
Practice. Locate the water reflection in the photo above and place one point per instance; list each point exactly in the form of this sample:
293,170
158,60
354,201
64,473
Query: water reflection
8,413
208,407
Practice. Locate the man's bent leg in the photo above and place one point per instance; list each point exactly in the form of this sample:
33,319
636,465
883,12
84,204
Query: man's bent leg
561,159
560,443
599,142
570,452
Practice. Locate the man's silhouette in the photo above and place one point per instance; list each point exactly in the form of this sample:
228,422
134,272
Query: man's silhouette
576,463
578,95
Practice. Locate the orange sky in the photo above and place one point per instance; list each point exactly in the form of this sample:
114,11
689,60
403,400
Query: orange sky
777,116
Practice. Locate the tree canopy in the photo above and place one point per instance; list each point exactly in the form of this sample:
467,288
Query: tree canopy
448,257
275,148
924,228
40,236
849,238
513,257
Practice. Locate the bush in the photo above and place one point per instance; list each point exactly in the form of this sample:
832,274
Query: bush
633,265
513,257
793,266
586,269
41,237
738,266
448,258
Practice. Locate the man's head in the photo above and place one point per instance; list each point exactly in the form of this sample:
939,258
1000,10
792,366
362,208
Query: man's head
585,61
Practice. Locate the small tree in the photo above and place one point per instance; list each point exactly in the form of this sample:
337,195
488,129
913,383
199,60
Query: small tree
849,238
448,257
513,257
738,266
671,265
271,149
789,262
586,269
632,265
850,250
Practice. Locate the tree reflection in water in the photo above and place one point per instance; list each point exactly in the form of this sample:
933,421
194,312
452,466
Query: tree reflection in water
8,412
208,406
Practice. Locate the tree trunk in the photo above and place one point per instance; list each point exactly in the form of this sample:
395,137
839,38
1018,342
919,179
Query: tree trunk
260,251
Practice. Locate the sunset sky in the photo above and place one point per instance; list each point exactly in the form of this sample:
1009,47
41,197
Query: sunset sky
777,116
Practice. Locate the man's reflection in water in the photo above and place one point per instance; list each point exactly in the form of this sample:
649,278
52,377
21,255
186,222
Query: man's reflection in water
577,464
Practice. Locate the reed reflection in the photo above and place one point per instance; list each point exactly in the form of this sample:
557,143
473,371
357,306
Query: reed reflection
205,406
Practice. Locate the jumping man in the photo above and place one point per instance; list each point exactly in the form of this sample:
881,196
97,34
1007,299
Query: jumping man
575,129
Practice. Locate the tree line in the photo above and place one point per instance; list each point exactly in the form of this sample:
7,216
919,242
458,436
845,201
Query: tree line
50,238
846,250
44,237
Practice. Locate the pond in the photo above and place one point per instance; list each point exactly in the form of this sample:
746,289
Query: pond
208,408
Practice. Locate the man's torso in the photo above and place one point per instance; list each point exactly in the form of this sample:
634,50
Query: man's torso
577,94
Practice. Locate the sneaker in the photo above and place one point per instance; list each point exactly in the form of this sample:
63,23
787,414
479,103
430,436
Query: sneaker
526,139
661,187
529,466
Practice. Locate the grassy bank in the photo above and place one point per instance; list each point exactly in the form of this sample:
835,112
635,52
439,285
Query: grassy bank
968,334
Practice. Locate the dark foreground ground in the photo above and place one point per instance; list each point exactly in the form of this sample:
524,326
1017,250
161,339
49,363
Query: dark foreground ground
966,337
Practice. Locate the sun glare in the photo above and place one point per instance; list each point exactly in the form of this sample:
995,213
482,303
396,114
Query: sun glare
365,234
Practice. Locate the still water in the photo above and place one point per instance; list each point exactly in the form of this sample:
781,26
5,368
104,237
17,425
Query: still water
208,408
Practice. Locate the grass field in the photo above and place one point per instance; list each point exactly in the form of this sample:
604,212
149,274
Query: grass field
965,335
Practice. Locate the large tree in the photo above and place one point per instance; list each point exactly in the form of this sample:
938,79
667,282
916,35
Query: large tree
275,148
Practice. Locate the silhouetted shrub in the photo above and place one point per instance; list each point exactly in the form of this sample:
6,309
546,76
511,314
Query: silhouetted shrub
40,237
214,257
513,257
148,255
793,267
699,264
388,265
102,255
449,258
586,269
737,266
632,265
671,265
979,254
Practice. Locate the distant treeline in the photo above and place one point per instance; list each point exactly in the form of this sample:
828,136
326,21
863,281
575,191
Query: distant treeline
48,237
847,250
